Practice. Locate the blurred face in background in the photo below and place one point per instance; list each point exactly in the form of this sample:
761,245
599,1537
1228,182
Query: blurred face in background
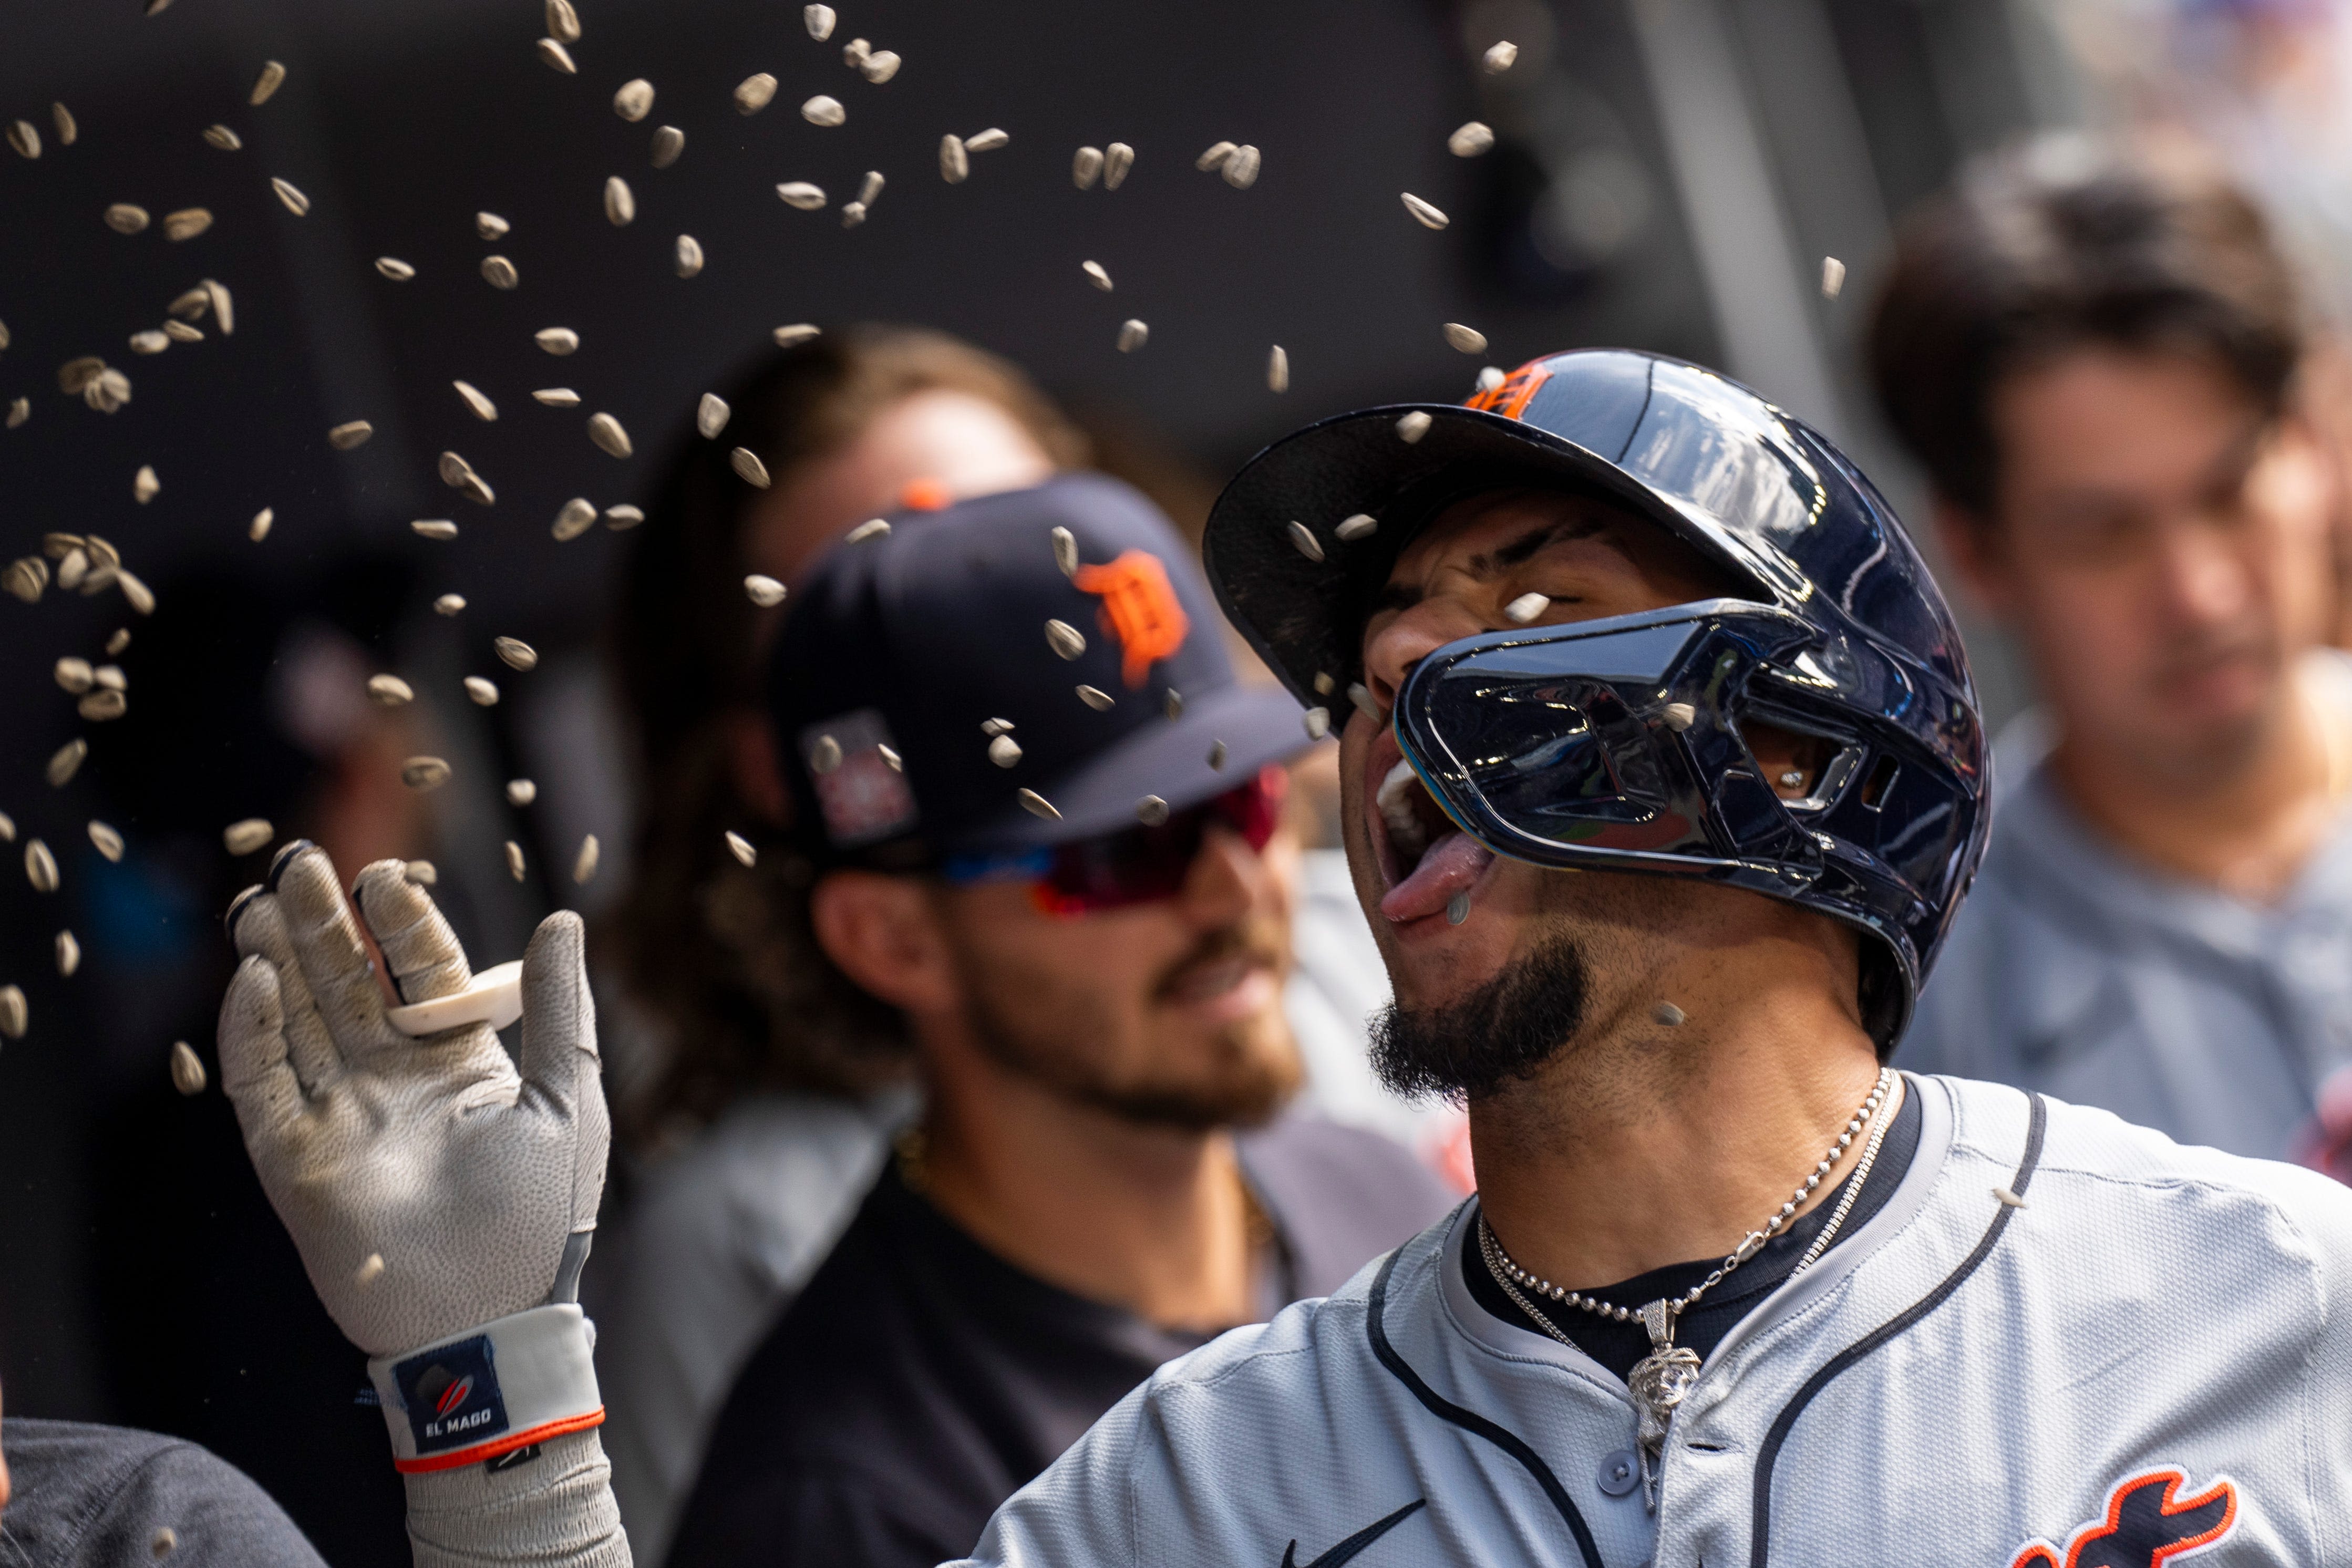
2163,549
925,450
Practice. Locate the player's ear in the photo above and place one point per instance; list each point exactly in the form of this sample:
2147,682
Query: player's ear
884,933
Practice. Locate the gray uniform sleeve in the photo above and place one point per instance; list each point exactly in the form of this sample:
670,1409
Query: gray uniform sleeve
100,1497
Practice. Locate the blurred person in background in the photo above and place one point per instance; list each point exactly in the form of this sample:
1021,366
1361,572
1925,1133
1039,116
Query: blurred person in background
1053,864
756,1086
2095,357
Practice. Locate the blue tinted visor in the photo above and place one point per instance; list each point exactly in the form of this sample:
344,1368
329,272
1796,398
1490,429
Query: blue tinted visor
1611,744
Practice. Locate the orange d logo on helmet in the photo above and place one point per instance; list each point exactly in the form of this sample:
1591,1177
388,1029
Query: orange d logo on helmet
1509,396
1139,608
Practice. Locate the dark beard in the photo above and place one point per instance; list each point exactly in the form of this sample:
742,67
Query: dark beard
1503,1031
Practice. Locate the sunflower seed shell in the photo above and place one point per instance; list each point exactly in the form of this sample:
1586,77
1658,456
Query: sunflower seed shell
521,793
955,166
186,223
558,341
634,100
1240,171
65,762
1470,140
742,849
620,203
1117,159
802,194
244,838
754,93
584,864
498,272
668,142
577,518
823,109
686,256
562,21
480,407
125,217
748,467
425,773
188,1078
514,653
763,591
1423,212
352,432
222,137
557,56
1132,335
1086,168
1467,340
290,196
514,860
40,867
259,529
1499,58
606,432
818,20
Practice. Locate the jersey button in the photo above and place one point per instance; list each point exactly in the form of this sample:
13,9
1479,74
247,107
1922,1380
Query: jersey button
1620,1473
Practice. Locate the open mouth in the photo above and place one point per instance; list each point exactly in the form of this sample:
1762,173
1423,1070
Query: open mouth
1429,863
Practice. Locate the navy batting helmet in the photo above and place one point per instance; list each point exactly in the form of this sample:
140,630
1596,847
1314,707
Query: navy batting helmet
1615,744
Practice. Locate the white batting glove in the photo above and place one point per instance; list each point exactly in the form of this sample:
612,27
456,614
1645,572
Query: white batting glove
442,1202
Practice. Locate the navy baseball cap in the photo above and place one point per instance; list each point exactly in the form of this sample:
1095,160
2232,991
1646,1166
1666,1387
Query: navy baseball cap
947,689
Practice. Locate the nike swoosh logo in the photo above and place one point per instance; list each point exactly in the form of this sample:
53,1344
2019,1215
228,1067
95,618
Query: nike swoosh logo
1356,1542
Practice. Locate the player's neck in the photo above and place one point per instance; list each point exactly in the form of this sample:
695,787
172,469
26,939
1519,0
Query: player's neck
1628,1153
1155,1219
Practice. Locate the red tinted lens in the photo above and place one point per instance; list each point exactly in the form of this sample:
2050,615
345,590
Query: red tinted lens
1139,864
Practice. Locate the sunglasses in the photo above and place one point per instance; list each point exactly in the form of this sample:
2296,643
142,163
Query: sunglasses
1136,865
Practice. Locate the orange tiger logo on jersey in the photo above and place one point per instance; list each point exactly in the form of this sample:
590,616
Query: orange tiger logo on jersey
1139,608
1510,397
2146,1524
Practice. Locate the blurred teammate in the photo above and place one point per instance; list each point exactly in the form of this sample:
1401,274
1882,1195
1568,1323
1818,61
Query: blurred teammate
1092,985
2096,361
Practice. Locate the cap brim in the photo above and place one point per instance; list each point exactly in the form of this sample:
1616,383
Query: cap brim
1258,724
1302,616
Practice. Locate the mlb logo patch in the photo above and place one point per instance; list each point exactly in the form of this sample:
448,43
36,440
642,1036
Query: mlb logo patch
864,798
451,1396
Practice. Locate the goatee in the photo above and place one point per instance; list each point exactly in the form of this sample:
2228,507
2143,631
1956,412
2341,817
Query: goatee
1505,1030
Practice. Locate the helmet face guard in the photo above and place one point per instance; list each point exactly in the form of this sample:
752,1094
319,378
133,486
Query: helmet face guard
1617,745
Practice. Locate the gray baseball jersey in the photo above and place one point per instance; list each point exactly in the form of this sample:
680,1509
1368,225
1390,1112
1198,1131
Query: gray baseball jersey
2150,1357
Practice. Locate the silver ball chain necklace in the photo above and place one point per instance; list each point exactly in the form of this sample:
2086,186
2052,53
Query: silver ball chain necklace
1660,1380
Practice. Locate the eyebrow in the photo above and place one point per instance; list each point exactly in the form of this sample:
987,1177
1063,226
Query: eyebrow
1518,552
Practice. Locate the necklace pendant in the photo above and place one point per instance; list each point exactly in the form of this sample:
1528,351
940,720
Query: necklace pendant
1658,1382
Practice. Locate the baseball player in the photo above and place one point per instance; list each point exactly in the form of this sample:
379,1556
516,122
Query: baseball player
1664,780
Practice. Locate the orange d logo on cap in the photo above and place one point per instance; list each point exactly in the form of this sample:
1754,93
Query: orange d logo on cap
1139,608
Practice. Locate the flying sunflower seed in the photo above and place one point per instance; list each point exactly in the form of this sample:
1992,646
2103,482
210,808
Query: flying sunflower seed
223,310
686,256
879,67
452,469
481,408
1412,427
557,56
748,467
800,193
1096,698
618,517
1832,277
65,762
19,410
558,341
955,167
870,189
754,93
272,77
389,690
872,528
449,605
76,374
1004,751
1214,158
855,52
483,693
514,653
710,416
1318,722
562,21
1037,804
992,728
1303,537
798,332
1064,640
188,1078
186,223
144,485
109,392
584,864
1277,370
498,272
620,203
819,20
424,874
891,759
1086,168
243,838
1096,275
1490,378
987,140
295,201
825,755
72,567
1423,214
15,1018
73,675
634,100
150,342
489,225
1471,140
514,860
350,433
62,118
1240,171
1499,58
125,217
763,591
852,214
433,528
110,677
1679,716
668,142
425,773
136,593
1132,335
1361,696
1468,339
23,138
1171,702
1217,756
40,867
742,849
1363,525
521,793
577,518
69,954
823,109
1526,608
610,438
1117,159
1151,811
1065,551
370,1269
222,137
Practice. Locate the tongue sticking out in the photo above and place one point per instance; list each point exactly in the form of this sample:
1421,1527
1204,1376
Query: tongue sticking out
1450,866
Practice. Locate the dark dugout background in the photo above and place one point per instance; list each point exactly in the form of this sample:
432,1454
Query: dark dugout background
1668,175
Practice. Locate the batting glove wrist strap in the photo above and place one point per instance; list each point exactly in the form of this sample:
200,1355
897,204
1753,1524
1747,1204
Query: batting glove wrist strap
510,1383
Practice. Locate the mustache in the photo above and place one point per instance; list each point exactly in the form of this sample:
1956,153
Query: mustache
1253,941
